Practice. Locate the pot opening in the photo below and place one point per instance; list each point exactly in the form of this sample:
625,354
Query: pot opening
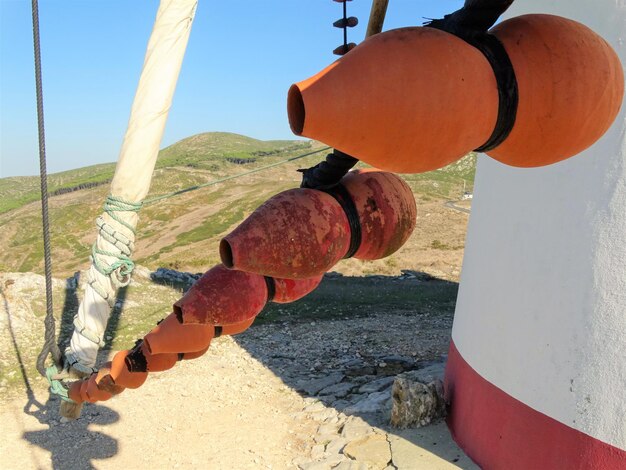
295,110
226,254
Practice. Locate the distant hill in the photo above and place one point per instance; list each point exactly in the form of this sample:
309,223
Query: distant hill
180,232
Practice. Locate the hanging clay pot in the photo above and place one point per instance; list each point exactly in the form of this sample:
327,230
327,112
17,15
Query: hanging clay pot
571,85
304,229
224,297
302,233
416,99
219,299
196,354
172,336
122,376
407,100
387,221
113,378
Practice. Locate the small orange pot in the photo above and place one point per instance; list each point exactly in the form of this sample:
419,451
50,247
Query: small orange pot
172,336
122,376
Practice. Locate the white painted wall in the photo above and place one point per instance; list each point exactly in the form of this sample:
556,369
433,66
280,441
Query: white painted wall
542,304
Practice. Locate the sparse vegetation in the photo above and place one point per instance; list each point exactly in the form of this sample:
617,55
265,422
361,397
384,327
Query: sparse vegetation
183,231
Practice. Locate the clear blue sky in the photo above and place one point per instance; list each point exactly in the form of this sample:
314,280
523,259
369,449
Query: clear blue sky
242,57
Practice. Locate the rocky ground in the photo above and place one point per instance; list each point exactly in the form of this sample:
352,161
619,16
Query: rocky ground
299,393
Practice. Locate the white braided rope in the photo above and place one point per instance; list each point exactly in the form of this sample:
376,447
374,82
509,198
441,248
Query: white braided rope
133,174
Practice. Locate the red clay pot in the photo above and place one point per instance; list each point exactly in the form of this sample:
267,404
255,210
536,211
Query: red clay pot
387,211
299,233
224,297
290,290
292,235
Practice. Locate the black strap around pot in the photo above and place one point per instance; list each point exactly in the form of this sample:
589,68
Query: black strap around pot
471,23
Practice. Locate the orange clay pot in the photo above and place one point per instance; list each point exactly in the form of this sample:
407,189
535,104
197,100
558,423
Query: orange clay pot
571,85
302,233
172,336
223,297
122,376
407,100
415,99
196,354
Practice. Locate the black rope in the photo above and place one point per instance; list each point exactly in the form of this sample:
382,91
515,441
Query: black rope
329,172
136,360
471,23
271,287
345,26
343,197
50,344
476,15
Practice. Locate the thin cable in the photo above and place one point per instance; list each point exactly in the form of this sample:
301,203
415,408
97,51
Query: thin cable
212,183
345,26
50,345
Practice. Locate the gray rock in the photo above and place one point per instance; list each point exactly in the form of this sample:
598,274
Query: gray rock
377,402
341,405
357,368
326,464
312,387
328,430
431,372
416,403
339,390
351,465
393,365
336,445
377,385
317,452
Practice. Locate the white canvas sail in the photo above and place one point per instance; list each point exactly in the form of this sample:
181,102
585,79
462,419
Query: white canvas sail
131,183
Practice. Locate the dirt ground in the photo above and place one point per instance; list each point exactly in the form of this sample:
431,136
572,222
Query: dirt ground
248,404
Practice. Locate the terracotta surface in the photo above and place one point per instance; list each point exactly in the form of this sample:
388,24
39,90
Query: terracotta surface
416,99
299,233
222,297
172,336
407,100
387,211
571,86
302,233
290,290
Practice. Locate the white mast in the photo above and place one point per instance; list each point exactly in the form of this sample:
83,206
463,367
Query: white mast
115,240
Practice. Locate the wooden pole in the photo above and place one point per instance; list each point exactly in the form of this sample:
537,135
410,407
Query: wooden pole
377,17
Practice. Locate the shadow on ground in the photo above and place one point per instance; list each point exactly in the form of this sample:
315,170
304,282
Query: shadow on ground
63,440
342,346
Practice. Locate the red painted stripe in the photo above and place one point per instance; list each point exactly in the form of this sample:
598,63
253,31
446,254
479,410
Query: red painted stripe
499,432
